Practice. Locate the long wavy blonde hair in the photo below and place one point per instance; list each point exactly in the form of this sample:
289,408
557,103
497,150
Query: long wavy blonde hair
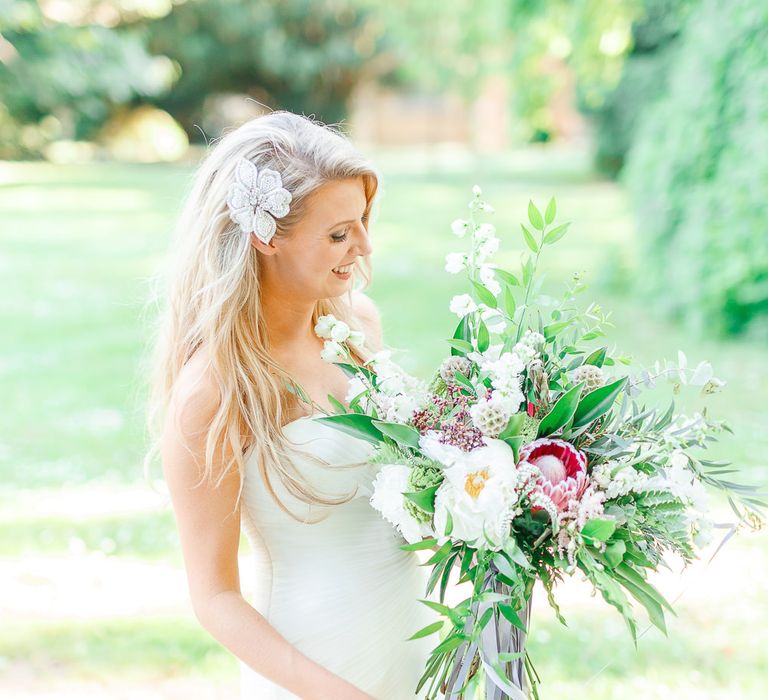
212,296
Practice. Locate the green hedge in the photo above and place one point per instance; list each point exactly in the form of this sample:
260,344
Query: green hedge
698,174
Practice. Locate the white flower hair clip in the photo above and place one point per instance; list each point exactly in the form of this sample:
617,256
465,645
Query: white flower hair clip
255,198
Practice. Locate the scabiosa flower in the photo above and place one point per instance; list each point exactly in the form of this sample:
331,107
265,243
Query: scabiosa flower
563,468
592,375
454,363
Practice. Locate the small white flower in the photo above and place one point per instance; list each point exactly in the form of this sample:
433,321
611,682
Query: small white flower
333,352
454,263
484,232
460,227
488,278
487,248
476,191
340,331
487,208
324,325
462,304
487,313
356,338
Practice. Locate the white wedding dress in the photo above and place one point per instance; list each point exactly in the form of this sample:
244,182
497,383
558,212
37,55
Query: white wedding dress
341,590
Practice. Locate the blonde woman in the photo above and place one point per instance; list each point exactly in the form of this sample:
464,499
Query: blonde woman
273,235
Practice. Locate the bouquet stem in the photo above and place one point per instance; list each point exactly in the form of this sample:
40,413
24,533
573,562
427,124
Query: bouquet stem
499,636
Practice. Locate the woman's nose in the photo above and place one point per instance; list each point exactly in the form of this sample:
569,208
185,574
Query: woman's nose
363,241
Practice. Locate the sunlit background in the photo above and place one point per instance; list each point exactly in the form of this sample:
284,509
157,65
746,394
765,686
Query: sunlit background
646,119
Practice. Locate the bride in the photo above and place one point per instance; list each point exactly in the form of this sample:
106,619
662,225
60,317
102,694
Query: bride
272,236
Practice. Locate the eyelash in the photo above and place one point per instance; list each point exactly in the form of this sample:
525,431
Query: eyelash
343,237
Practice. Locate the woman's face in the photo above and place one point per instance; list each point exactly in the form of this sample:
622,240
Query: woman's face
332,234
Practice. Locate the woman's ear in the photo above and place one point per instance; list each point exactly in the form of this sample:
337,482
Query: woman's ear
264,248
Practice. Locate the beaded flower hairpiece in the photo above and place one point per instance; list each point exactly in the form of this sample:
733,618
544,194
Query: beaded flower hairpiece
255,198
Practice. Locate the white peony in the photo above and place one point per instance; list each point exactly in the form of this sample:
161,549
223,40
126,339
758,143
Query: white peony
480,494
388,488
462,304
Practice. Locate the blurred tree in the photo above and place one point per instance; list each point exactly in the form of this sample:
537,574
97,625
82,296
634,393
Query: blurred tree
654,38
301,55
60,80
698,173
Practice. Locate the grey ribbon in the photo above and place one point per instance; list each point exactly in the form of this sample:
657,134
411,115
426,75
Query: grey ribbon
503,637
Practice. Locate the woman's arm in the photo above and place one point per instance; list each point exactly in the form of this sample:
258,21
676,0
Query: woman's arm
209,531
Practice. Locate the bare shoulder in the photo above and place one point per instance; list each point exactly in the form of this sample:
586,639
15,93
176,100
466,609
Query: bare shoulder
366,310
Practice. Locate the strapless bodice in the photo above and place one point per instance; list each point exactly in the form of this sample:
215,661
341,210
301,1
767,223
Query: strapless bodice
337,586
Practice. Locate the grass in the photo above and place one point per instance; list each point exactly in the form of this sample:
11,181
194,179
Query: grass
80,244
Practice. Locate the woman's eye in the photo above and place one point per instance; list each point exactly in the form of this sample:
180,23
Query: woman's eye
339,236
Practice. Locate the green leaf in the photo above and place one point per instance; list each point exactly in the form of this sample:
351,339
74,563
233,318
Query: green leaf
509,301
509,612
529,239
401,434
516,554
484,294
483,337
463,380
462,332
551,330
462,346
424,499
424,544
598,529
507,277
655,611
429,629
440,554
561,412
555,234
353,370
337,405
448,522
628,573
357,424
614,553
549,214
534,216
448,644
597,402
596,358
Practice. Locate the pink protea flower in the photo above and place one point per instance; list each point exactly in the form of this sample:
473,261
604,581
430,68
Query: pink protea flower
563,469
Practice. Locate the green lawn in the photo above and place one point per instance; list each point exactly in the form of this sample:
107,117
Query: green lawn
79,246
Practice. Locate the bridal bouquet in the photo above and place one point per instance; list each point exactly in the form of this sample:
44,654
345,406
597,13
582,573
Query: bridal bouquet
527,457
